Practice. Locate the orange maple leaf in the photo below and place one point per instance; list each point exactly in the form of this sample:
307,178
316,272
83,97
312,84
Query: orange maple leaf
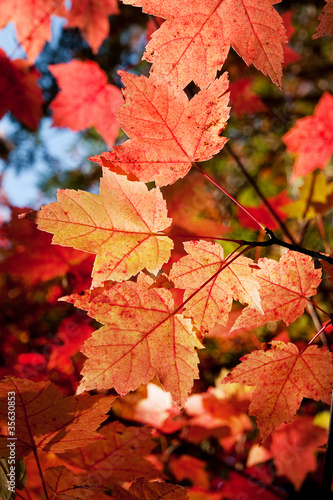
194,41
284,288
168,132
142,338
293,448
282,377
213,302
116,458
45,420
62,484
124,240
85,99
32,20
145,490
92,17
325,26
20,93
312,138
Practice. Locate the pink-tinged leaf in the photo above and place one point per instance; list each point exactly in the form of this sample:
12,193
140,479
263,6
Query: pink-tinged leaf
92,17
123,240
311,139
213,303
47,421
85,99
284,288
293,448
168,132
20,92
325,26
142,338
194,42
32,20
282,377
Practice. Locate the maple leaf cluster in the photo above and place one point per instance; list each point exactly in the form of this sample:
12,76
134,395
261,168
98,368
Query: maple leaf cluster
149,266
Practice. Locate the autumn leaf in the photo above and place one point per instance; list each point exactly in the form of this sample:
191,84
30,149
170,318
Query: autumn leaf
32,20
31,255
213,302
145,490
168,132
290,55
85,99
119,457
311,139
213,414
192,207
142,338
47,421
262,213
293,448
192,468
194,42
315,197
124,240
62,484
284,288
20,92
92,17
282,377
72,332
243,100
325,26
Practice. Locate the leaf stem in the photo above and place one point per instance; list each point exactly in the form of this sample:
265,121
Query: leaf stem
229,195
317,335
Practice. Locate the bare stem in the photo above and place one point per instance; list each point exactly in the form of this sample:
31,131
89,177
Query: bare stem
229,195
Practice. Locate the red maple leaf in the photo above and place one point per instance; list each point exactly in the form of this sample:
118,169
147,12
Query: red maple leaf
142,338
116,458
20,92
262,214
282,377
32,20
293,448
212,303
168,132
31,255
92,17
126,241
312,138
47,421
243,100
85,99
145,490
194,41
284,288
325,26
